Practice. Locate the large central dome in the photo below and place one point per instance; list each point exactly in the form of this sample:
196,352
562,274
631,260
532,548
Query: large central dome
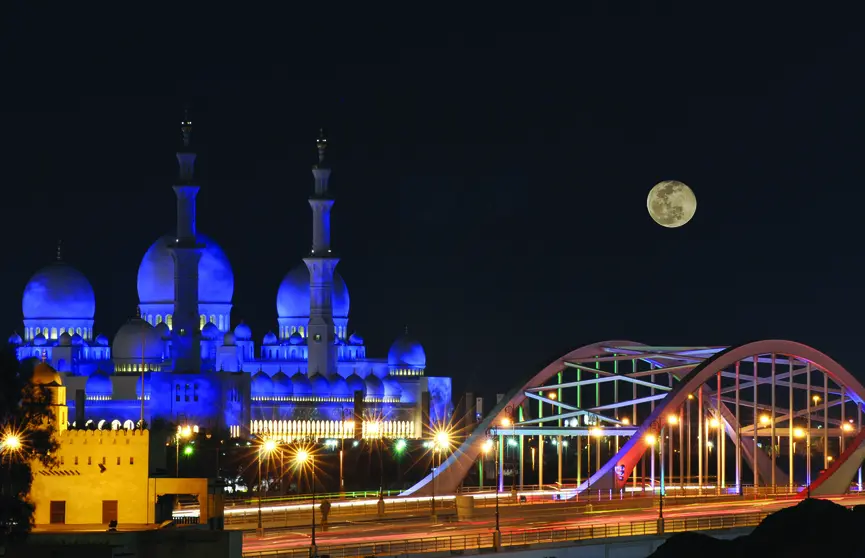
156,274
58,291
292,299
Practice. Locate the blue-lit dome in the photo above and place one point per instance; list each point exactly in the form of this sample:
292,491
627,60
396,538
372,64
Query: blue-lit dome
137,340
99,383
292,299
295,339
210,332
355,339
15,339
101,340
281,384
262,385
300,384
163,330
229,339
406,352
39,340
356,383
270,339
156,274
243,332
320,386
374,386
77,340
338,386
64,340
392,387
58,291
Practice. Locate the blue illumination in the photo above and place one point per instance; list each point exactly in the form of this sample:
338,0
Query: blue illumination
406,352
440,399
156,274
58,292
292,299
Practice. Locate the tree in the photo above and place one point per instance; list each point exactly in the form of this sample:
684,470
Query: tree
25,416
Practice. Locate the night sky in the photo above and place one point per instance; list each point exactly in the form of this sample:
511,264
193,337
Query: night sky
490,180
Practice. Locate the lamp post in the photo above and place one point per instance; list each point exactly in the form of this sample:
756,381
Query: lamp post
266,448
182,432
300,459
10,445
441,441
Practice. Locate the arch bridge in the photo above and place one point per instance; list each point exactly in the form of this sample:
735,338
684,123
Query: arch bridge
621,416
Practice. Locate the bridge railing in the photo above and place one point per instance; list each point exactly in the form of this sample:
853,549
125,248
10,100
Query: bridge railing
457,543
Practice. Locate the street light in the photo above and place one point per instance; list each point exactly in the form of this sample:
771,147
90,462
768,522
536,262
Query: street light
266,448
182,432
301,458
441,440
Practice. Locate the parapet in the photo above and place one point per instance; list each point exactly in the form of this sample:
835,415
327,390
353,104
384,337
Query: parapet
72,435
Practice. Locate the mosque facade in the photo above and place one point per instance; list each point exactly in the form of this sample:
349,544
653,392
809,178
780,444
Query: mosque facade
181,361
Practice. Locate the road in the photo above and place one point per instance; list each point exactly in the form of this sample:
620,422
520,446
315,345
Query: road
518,519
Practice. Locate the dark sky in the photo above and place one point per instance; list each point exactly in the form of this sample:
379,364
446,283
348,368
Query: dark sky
491,178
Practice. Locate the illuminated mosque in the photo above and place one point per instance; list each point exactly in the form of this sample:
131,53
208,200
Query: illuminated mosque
310,377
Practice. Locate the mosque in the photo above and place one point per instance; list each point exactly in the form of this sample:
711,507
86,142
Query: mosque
180,361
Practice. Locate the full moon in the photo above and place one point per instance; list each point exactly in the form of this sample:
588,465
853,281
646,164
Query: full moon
671,203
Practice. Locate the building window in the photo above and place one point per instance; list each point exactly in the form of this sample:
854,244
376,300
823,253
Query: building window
169,320
76,460
57,513
62,460
300,329
202,320
213,319
132,461
78,330
221,322
103,460
195,392
186,393
62,330
89,460
158,319
177,392
53,333
118,460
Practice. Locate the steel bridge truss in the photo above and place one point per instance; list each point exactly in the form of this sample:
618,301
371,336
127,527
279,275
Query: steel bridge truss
767,413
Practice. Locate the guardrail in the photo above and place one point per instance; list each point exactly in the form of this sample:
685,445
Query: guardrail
518,538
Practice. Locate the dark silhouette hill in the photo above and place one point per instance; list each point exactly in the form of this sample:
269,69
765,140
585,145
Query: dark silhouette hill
811,528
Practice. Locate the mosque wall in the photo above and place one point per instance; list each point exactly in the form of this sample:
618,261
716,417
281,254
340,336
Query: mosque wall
99,471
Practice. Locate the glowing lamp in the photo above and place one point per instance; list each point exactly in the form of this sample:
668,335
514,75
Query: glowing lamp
595,432
714,423
268,446
626,421
816,399
829,458
11,442
488,445
400,445
301,457
442,439
187,450
798,433
847,427
764,420
552,395
506,422
691,396
672,419
650,439
512,443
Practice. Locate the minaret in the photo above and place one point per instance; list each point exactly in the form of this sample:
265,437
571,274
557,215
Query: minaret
322,264
186,251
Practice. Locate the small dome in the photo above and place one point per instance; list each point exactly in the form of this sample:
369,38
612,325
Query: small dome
39,340
262,385
44,375
270,339
242,332
320,386
406,352
77,340
292,298
99,383
210,331
281,384
295,338
229,339
163,330
392,387
355,383
355,339
101,340
64,339
137,340
146,385
338,386
156,273
300,385
15,339
57,292
374,386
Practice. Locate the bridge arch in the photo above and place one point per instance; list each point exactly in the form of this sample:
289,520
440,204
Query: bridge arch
699,373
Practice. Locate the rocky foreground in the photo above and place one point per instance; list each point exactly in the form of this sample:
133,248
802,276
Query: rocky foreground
813,528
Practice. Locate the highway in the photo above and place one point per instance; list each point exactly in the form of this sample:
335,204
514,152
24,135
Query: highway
512,519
